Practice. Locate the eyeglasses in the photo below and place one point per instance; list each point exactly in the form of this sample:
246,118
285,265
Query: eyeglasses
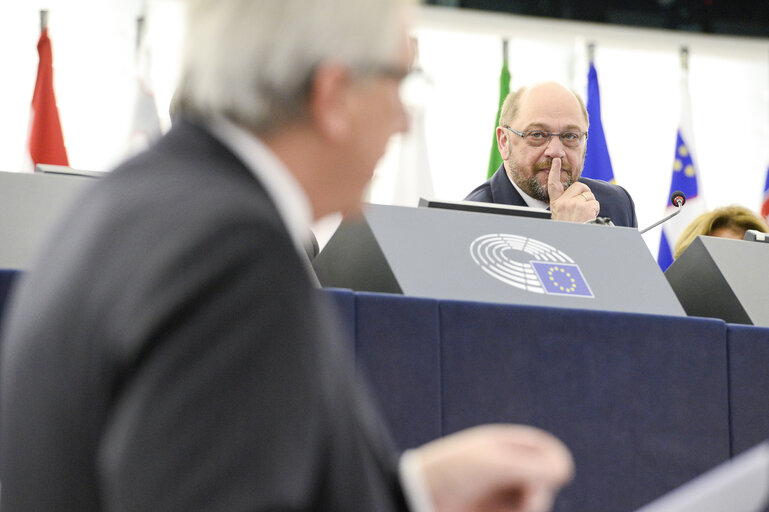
413,84
383,70
536,138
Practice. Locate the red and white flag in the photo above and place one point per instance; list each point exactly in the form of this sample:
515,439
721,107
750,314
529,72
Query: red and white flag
46,142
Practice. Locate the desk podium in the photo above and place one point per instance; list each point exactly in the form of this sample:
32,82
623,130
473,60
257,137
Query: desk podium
29,204
446,254
723,278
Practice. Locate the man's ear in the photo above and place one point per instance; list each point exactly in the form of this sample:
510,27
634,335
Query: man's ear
329,101
503,143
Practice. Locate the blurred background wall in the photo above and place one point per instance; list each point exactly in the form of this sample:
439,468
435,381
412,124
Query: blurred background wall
460,51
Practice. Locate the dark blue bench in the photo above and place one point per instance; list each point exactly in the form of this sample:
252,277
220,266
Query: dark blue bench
644,402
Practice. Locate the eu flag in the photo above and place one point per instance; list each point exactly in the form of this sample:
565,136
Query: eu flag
562,279
684,176
684,179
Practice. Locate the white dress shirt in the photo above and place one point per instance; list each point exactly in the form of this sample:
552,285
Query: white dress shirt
530,201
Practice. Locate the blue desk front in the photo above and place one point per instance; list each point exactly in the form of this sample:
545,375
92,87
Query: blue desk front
642,401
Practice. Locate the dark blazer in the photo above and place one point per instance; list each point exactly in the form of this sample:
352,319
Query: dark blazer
615,202
168,352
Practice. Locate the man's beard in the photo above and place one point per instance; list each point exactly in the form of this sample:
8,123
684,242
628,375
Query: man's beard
531,185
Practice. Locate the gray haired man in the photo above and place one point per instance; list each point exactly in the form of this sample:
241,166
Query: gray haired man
167,350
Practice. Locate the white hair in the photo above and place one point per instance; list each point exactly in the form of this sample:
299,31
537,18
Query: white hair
253,60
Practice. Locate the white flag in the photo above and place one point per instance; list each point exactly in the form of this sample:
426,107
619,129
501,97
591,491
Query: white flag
145,125
413,178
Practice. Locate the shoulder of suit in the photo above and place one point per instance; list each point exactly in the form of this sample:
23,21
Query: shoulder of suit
601,185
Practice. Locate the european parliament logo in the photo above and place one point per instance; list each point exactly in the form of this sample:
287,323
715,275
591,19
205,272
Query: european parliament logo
529,264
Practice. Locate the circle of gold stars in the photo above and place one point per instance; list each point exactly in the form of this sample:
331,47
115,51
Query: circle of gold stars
568,284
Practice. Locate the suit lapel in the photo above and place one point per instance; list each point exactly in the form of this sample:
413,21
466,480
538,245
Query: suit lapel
502,191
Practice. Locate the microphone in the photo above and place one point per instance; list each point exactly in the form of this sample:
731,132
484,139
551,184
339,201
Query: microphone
677,199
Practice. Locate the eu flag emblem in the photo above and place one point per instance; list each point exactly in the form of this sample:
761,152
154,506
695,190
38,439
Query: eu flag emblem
562,279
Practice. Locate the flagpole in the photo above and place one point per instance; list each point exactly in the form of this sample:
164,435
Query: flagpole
504,49
43,19
139,32
685,58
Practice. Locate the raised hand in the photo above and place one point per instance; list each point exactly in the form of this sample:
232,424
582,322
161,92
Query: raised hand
575,204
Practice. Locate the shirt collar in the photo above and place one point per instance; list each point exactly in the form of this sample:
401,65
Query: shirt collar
281,186
530,201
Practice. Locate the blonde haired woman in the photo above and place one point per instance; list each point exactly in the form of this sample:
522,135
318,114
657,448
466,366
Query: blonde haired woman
725,222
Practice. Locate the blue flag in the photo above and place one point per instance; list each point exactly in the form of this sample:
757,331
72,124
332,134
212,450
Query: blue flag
597,161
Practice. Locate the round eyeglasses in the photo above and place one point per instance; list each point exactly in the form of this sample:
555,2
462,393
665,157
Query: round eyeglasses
570,139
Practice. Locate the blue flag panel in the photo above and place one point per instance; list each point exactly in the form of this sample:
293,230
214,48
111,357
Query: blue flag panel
685,180
684,175
597,161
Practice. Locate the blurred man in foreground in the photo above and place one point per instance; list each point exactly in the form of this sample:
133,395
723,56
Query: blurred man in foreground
167,350
542,137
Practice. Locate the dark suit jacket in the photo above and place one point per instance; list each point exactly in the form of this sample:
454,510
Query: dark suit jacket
167,352
615,202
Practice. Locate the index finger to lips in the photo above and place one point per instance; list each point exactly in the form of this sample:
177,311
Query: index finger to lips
554,185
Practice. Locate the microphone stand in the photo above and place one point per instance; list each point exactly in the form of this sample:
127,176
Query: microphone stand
668,217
